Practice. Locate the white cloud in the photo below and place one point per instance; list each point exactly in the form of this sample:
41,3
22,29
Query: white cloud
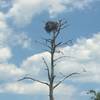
8,37
83,54
10,71
11,38
77,4
2,21
24,11
35,63
5,54
24,88
55,7
22,40
5,31
62,91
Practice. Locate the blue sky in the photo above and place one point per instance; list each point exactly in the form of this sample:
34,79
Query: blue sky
22,23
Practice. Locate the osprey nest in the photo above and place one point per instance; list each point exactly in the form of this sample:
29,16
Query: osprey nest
51,26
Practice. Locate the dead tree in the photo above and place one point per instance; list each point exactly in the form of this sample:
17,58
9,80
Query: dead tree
53,28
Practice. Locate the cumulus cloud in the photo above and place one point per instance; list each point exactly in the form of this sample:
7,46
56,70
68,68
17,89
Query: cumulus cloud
23,88
5,31
35,63
10,71
84,55
65,91
5,54
22,40
39,89
11,38
2,21
8,37
24,11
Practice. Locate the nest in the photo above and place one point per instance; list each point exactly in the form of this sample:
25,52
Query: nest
51,26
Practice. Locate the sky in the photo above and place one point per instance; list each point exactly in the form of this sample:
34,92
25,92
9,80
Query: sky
22,24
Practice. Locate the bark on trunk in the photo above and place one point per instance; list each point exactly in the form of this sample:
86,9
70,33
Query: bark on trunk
51,93
52,67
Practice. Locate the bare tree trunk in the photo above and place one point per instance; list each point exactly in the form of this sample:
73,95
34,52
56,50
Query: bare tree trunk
52,67
51,93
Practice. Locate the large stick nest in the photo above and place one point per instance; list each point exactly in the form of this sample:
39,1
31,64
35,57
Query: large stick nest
51,26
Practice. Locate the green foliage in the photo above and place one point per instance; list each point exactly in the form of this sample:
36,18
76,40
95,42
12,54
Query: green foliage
98,96
95,94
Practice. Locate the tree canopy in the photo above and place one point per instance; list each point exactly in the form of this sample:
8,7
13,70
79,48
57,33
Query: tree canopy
95,94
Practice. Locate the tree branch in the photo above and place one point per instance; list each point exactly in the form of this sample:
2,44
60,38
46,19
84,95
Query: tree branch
61,25
33,80
47,68
43,44
58,44
58,32
65,77
47,40
61,58
69,42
